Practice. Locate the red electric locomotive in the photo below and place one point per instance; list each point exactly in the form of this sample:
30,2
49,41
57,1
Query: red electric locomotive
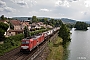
30,43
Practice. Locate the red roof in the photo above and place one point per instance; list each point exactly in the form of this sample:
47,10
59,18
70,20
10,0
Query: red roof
26,23
3,21
15,22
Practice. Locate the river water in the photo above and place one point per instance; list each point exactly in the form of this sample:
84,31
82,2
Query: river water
79,48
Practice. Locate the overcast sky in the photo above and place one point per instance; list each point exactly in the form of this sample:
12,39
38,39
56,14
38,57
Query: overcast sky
74,9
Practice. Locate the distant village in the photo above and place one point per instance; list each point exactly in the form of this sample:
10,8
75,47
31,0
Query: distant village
18,26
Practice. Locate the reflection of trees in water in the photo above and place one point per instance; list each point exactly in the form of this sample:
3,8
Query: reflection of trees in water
66,51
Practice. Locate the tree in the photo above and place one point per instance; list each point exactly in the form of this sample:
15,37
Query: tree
81,26
11,26
70,25
34,19
2,17
64,33
3,28
29,18
29,21
26,32
45,20
2,37
58,23
52,22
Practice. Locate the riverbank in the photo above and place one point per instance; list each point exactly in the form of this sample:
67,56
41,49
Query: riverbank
55,50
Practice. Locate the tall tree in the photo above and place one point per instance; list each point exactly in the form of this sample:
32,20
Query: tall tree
26,32
29,21
34,19
45,20
2,37
64,33
29,18
3,28
2,17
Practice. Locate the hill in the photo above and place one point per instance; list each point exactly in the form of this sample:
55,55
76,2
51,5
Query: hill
65,20
88,22
21,18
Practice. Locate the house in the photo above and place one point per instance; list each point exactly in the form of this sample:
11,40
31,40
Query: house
49,26
25,24
13,32
16,24
41,24
16,28
4,21
35,26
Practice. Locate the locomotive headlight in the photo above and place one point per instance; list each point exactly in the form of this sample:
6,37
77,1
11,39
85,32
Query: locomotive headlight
24,47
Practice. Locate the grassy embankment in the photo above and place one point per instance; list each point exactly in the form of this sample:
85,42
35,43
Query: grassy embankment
56,50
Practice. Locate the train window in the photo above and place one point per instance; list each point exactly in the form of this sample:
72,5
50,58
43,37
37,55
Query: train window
25,42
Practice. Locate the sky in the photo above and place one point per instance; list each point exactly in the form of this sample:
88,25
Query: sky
73,9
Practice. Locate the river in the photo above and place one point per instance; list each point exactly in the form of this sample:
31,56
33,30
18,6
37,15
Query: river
79,48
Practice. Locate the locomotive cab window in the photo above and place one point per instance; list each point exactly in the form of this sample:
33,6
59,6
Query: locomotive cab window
25,42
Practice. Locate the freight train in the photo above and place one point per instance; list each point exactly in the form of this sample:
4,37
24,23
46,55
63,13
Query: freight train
29,43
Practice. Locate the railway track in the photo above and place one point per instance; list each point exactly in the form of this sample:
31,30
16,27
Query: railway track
17,55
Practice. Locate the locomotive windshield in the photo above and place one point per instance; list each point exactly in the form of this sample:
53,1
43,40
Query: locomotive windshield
25,42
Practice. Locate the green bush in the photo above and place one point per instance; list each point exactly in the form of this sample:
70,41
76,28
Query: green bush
11,43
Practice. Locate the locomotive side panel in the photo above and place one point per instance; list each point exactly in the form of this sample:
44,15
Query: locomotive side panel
35,42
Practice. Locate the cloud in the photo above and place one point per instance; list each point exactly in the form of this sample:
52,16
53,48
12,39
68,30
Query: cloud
87,3
73,0
45,10
1,9
84,12
62,3
21,3
24,3
2,4
8,9
65,3
5,8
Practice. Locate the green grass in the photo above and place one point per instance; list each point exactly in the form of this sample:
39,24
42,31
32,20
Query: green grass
56,50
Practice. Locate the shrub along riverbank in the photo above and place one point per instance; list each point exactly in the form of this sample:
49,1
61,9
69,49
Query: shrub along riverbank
13,42
56,50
